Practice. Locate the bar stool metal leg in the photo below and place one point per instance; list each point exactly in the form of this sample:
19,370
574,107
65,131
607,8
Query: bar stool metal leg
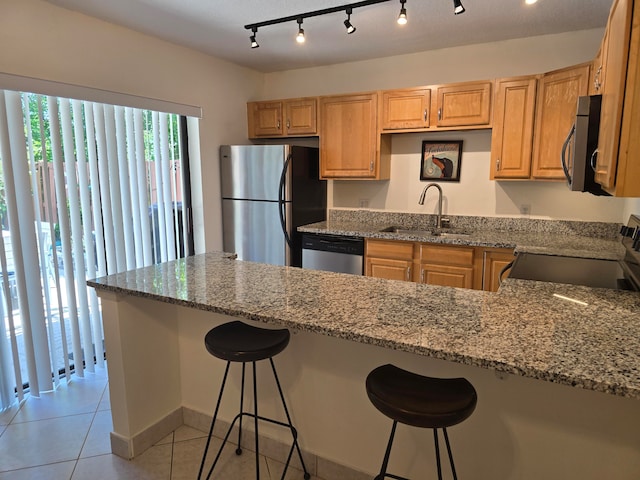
294,432
435,440
453,467
239,447
213,421
255,420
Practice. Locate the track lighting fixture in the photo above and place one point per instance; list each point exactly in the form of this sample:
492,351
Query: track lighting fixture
348,9
402,18
252,38
347,23
300,36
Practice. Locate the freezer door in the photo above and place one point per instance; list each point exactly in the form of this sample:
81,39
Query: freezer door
252,230
251,171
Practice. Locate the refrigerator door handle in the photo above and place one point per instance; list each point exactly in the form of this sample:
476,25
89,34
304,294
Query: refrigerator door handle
281,200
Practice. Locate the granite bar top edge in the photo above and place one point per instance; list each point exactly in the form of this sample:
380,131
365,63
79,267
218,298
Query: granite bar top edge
503,360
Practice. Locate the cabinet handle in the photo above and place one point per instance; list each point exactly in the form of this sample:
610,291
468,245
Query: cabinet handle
408,274
596,79
278,126
498,165
422,276
425,115
371,166
288,123
439,114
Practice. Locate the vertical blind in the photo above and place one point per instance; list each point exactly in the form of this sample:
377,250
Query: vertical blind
86,190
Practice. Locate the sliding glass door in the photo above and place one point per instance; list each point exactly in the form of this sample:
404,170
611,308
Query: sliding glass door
86,190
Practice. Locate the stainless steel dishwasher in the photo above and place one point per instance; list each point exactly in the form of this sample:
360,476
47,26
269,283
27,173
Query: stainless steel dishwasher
333,253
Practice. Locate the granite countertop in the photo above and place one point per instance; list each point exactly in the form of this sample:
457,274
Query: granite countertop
571,335
569,244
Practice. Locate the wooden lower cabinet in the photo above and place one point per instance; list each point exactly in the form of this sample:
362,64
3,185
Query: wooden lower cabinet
436,264
445,265
493,262
446,275
389,259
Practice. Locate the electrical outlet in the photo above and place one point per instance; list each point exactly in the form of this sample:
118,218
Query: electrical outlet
525,209
364,203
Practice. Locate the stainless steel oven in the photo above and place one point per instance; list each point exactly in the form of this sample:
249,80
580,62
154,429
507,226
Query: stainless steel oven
598,273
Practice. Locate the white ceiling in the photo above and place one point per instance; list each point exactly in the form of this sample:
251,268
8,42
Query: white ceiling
216,27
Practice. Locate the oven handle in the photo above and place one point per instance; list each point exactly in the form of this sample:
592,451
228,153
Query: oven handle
504,269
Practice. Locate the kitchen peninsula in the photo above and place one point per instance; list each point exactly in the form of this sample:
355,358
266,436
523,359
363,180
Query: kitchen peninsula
558,381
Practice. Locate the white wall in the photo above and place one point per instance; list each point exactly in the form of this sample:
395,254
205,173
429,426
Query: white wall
475,194
40,40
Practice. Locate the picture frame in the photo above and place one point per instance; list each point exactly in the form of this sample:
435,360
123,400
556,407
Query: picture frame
441,160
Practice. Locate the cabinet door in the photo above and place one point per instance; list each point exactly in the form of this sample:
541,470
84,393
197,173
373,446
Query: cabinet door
390,259
628,164
493,263
301,116
614,74
467,104
388,268
265,119
446,265
558,94
348,137
512,135
405,109
446,276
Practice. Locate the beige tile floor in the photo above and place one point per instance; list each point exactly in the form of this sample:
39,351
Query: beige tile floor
65,436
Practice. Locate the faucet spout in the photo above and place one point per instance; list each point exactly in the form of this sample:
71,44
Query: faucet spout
424,194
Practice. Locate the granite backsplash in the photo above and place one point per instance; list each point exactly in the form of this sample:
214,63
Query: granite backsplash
506,224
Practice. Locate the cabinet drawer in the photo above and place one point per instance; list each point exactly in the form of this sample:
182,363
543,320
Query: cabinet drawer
446,254
389,249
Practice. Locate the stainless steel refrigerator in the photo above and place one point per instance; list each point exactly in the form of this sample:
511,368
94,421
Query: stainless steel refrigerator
267,192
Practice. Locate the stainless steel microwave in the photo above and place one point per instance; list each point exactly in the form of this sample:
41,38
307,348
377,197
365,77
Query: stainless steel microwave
579,150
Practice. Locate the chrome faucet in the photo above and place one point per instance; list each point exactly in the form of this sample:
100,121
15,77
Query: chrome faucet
421,201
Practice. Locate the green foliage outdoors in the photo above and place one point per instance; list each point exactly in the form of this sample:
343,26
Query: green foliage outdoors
42,146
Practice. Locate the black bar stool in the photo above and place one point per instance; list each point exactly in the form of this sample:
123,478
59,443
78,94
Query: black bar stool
420,401
238,342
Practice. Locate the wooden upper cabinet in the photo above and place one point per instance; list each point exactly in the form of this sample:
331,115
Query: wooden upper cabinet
619,73
557,99
265,119
463,105
512,135
405,109
283,118
350,146
300,116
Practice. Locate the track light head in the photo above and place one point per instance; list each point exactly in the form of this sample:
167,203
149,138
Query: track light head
300,36
347,23
402,18
252,38
457,7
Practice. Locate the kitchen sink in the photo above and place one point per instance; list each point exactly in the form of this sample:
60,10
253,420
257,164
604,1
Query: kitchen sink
408,231
443,232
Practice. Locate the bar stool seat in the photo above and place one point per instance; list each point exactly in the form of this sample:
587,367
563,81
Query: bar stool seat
239,342
420,401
